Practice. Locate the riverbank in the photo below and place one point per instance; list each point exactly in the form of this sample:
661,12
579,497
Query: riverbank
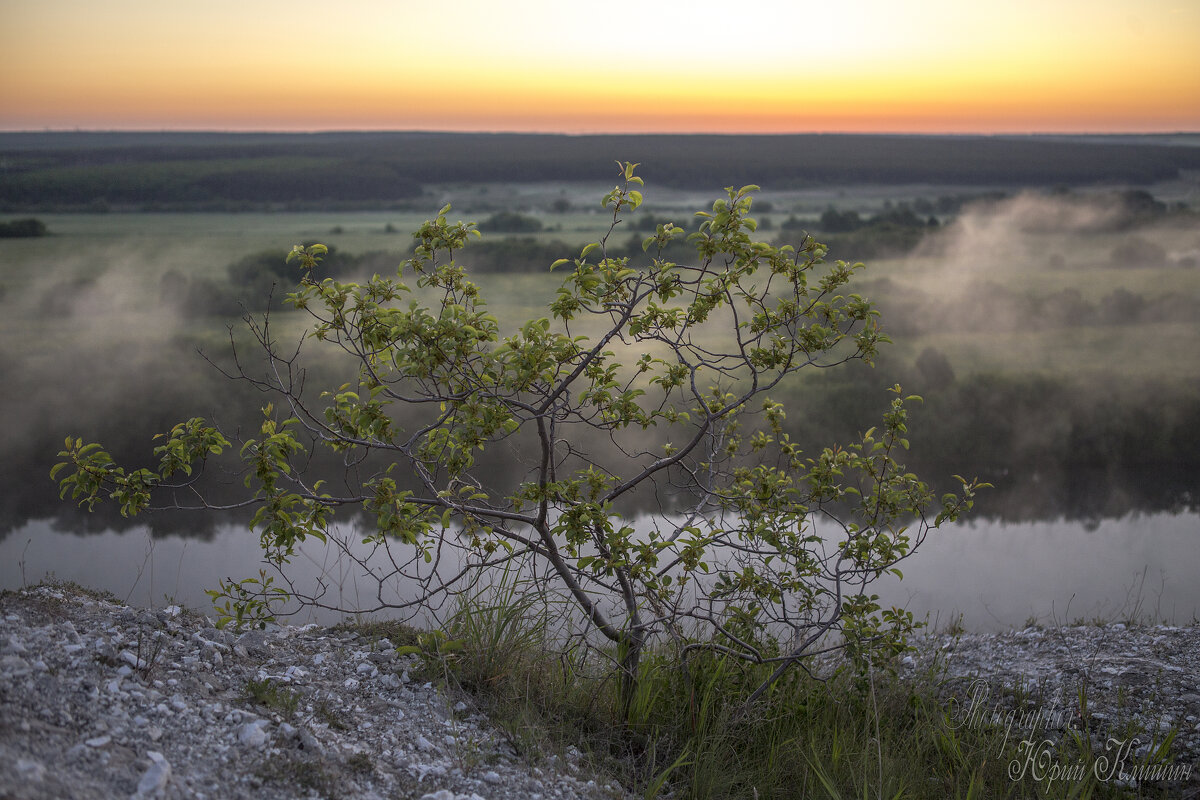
1135,690
100,700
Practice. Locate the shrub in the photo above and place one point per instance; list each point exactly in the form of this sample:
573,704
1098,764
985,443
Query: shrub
510,222
23,229
648,383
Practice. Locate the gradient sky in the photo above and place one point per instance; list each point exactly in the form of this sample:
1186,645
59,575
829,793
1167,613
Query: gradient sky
935,66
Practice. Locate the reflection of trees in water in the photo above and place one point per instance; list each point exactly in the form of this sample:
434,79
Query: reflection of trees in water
1090,494
1028,485
136,411
1052,448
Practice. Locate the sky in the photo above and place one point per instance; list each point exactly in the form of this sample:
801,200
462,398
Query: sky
746,66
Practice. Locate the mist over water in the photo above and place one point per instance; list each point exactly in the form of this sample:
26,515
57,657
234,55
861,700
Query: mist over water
1089,459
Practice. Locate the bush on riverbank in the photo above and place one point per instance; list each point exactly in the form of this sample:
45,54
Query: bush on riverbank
23,229
900,733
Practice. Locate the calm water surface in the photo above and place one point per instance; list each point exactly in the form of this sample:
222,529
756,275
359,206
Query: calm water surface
995,574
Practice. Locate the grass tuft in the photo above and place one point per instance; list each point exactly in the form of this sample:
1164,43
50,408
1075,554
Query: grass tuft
270,695
687,735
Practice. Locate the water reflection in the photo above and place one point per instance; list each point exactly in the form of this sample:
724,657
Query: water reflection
995,574
999,575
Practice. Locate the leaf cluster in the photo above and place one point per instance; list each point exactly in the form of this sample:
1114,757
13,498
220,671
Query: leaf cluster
646,376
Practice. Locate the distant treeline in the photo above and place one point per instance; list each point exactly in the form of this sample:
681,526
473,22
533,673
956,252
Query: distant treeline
252,281
1052,446
232,171
199,184
22,229
898,228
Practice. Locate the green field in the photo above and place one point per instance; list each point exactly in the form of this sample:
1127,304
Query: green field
127,254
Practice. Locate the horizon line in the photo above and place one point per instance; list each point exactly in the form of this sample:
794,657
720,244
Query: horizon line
580,134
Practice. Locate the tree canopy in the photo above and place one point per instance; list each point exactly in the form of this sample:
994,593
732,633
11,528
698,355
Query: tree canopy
652,378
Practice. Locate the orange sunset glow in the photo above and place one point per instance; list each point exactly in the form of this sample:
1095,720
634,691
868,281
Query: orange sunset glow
932,66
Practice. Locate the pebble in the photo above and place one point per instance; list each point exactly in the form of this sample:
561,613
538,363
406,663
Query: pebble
30,770
182,723
254,734
1131,676
187,727
154,780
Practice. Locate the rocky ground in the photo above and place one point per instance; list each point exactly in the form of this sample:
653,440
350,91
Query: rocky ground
1135,690
98,700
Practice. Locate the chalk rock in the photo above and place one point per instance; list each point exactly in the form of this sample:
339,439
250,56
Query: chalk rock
254,734
30,770
154,780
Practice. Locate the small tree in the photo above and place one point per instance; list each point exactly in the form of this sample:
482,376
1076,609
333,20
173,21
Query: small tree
653,378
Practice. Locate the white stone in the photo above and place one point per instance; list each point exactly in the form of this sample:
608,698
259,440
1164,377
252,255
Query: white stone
30,770
254,734
154,780
310,742
132,660
14,666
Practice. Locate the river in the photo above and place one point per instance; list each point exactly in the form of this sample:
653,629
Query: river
993,574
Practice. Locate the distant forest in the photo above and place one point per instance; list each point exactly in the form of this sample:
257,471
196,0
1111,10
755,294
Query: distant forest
223,171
